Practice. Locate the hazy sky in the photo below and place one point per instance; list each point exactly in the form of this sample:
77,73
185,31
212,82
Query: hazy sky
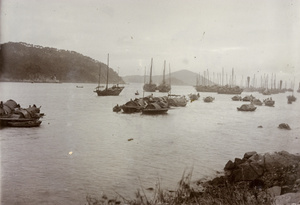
251,36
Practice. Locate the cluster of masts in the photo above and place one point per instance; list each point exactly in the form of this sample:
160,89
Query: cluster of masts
255,84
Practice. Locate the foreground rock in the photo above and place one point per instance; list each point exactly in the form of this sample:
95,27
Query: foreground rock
275,174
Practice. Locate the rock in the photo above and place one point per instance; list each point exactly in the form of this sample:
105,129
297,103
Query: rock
287,199
238,161
257,168
259,158
257,184
259,126
247,155
244,172
284,126
274,191
229,165
218,181
274,162
296,186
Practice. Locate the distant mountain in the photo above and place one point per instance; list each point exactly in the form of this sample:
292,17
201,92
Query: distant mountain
182,77
27,62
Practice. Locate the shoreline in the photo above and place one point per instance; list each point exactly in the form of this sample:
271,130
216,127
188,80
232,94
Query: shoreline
269,178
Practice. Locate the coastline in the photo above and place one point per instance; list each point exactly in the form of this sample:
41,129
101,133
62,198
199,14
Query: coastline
269,178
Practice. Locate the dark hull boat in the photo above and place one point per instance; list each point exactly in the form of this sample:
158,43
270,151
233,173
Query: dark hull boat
164,88
112,91
133,106
230,90
208,99
194,97
291,98
177,101
236,98
207,88
248,98
154,109
149,87
247,108
26,123
115,90
257,102
269,102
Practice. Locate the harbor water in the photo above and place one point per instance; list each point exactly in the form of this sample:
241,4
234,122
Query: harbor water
82,147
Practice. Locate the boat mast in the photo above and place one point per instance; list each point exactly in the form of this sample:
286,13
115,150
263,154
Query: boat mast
170,77
99,77
151,71
144,82
107,71
164,81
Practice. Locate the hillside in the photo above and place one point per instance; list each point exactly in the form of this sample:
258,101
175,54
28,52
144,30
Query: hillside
182,77
156,79
27,62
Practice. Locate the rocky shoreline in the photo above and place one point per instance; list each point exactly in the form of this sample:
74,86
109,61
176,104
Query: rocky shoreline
254,179
271,175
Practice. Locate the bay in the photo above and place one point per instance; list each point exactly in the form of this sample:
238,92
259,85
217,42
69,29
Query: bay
82,146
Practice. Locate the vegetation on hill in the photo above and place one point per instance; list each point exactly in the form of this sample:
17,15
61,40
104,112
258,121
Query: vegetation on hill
27,62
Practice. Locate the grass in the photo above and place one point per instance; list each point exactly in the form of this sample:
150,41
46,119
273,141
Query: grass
224,194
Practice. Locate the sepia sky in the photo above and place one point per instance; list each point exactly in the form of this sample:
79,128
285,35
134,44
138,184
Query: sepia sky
252,36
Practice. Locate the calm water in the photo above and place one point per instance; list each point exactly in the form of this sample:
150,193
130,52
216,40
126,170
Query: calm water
82,146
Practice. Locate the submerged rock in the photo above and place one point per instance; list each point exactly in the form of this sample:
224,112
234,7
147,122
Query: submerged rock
284,126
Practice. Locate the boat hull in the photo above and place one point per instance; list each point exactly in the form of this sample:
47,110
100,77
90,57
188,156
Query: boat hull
246,110
110,91
131,109
28,123
149,87
155,111
164,88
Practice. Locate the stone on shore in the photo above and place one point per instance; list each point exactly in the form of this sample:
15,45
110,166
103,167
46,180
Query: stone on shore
278,173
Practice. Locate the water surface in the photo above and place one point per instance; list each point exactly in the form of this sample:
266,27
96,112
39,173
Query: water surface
82,146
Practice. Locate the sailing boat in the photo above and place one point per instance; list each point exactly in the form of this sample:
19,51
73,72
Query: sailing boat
298,89
164,87
115,90
149,87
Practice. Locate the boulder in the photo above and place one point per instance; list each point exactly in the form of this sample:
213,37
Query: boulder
258,158
244,172
274,191
247,155
284,126
229,165
288,198
238,161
